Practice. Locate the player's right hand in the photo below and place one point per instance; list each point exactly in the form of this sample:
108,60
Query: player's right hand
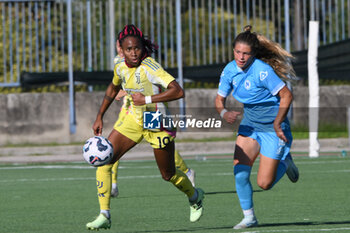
279,132
231,116
97,127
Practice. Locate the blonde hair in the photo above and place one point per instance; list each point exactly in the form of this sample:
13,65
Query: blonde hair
268,51
277,57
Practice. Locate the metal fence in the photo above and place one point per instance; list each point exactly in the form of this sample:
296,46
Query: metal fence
34,35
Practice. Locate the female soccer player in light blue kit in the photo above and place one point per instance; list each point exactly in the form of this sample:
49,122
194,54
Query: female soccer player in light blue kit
254,78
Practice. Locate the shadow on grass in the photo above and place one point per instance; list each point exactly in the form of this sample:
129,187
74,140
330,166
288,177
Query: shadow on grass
175,194
225,192
195,229
201,229
302,224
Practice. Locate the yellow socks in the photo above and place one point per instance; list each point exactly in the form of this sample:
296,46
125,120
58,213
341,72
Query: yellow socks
115,172
103,181
180,163
181,181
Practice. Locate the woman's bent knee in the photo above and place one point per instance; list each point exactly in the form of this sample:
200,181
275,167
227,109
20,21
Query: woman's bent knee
265,185
167,176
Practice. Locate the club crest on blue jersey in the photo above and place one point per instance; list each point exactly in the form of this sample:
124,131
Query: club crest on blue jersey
247,84
152,120
263,75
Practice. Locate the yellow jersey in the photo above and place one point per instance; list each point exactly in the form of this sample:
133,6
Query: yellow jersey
149,78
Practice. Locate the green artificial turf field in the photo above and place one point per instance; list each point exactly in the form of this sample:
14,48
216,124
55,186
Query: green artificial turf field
62,198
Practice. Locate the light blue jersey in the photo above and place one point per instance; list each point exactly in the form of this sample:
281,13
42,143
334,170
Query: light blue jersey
256,87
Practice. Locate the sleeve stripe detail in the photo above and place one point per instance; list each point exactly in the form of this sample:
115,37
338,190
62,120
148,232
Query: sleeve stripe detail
150,64
120,61
278,88
223,94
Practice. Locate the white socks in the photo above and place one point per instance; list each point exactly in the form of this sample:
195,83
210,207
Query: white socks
249,212
106,213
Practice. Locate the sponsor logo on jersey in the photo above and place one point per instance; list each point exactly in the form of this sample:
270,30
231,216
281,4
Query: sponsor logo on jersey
133,90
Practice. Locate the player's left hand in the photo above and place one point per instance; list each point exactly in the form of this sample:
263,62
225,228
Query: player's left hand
138,99
121,94
279,132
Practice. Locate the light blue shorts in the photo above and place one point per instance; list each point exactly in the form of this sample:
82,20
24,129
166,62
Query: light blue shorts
270,145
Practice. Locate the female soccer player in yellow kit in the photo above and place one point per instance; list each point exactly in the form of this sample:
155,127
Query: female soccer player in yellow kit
149,87
179,162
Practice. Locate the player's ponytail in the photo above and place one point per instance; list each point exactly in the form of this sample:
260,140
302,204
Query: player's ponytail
277,57
247,28
132,30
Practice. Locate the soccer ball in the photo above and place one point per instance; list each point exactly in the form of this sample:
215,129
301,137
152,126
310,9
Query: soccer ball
98,151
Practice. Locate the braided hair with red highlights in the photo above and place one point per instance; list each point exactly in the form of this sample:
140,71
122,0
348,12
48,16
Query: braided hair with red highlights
132,30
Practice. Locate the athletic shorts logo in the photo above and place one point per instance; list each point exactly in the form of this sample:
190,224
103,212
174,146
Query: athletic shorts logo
152,120
263,75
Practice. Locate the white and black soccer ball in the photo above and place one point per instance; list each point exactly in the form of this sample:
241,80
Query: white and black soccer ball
98,151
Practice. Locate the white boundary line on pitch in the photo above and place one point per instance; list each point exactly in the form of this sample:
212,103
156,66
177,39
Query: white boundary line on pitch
138,177
76,179
47,167
200,158
138,167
